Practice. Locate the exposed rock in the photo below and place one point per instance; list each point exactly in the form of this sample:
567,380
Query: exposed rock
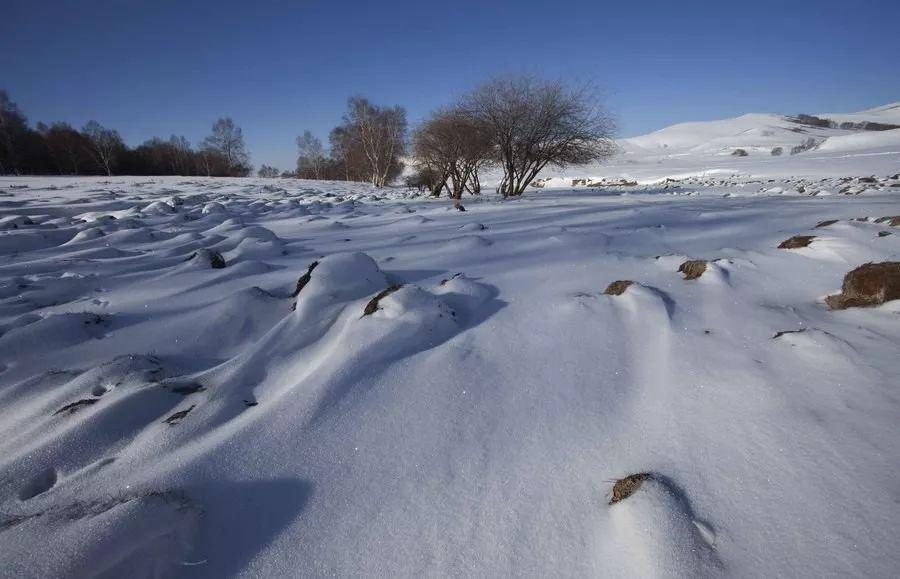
893,220
826,223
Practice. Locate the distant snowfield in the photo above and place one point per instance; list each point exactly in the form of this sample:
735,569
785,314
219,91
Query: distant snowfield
163,416
704,148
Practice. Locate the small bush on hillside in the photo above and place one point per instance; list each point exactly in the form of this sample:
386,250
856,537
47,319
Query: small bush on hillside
739,153
777,151
807,145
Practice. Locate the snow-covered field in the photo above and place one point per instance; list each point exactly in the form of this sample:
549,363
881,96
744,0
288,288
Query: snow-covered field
162,415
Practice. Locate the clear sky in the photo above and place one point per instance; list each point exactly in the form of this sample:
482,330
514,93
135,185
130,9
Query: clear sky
157,67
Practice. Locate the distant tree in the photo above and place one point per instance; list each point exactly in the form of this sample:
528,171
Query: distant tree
67,148
13,127
224,152
60,149
424,178
182,156
534,123
348,160
103,145
311,158
452,145
379,134
267,171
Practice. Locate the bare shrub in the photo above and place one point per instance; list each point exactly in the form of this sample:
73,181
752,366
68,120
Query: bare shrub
453,145
807,145
533,123
267,171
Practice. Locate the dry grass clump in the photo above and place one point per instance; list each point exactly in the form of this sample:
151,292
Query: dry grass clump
617,287
179,416
372,306
75,406
625,487
213,258
692,268
796,242
304,279
870,284
783,332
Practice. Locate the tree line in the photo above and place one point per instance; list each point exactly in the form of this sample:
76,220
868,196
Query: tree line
519,125
60,149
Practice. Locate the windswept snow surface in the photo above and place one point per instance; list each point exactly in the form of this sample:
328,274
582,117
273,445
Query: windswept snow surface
296,413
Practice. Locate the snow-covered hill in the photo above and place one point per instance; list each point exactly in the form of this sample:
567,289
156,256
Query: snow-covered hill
752,146
759,133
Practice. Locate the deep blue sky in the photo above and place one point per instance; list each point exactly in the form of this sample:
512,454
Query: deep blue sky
157,67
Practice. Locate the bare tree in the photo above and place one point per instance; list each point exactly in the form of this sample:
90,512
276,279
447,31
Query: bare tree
534,123
227,143
104,145
267,171
381,133
12,124
348,159
182,155
311,157
67,147
453,145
